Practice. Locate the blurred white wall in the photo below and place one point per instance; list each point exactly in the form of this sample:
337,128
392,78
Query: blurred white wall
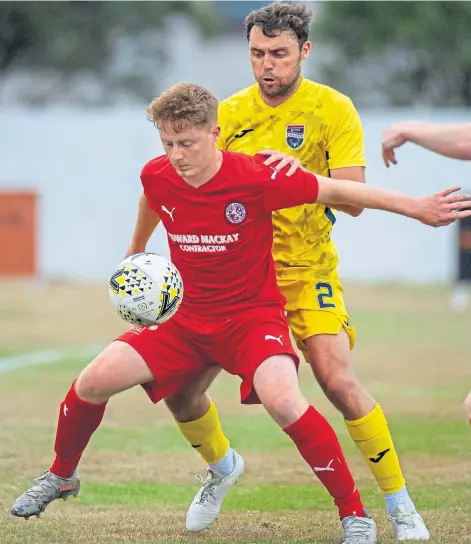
221,65
86,166
378,246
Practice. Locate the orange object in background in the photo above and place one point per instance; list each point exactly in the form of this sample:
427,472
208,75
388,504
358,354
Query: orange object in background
18,234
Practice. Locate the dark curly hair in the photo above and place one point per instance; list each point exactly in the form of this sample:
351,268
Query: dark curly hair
279,16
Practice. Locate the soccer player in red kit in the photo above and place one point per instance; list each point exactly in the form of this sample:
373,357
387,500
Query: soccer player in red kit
216,207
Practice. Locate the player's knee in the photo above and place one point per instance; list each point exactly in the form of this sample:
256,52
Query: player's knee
332,368
186,407
341,389
277,386
285,409
176,404
90,387
284,404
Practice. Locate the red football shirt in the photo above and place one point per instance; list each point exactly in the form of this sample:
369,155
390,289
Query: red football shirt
220,234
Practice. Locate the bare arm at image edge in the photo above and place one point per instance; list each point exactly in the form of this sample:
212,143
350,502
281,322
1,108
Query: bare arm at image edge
451,140
146,222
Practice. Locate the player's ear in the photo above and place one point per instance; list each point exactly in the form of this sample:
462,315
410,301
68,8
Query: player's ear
306,48
215,132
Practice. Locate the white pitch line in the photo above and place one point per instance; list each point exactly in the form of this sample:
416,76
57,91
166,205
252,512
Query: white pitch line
44,357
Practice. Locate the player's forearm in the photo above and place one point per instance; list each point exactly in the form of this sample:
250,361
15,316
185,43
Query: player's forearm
146,222
335,192
354,211
450,140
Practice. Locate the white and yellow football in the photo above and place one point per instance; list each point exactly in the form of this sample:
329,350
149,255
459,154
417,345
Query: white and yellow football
146,289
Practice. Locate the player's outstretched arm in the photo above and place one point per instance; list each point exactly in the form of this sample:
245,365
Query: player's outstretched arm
435,210
452,140
146,222
283,160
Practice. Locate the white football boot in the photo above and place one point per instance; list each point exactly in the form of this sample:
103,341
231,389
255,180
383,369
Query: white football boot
358,530
205,507
408,523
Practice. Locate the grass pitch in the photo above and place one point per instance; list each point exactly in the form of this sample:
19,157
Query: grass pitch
138,473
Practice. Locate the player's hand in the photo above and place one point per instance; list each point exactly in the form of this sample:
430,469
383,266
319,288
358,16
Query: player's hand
133,249
443,208
392,138
284,160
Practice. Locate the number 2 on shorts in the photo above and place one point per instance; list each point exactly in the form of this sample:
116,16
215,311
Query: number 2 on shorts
324,292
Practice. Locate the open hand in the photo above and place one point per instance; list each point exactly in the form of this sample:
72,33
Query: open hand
444,208
284,160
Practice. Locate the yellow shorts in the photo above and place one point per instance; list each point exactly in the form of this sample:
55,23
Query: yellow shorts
315,307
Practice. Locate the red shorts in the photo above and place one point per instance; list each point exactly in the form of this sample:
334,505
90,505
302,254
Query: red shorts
180,349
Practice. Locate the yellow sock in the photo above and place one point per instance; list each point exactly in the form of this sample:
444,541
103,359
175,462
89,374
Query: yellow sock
372,437
206,436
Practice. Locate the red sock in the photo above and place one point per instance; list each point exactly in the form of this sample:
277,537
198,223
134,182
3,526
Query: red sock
78,420
320,448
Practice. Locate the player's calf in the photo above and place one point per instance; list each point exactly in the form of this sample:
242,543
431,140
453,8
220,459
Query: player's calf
275,381
117,368
46,488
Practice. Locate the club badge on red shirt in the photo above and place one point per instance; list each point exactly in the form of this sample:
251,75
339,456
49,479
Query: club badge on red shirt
235,213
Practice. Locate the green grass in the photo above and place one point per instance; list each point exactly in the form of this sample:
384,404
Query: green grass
138,471
263,498
444,438
58,374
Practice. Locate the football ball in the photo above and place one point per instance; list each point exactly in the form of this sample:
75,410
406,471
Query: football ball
146,289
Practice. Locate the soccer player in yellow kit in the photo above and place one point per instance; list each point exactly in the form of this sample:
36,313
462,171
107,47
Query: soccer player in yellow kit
320,126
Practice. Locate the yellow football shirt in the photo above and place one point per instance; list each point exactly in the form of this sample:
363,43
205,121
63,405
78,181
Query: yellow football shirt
320,126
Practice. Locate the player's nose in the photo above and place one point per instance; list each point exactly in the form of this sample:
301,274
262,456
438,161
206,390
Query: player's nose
267,64
177,154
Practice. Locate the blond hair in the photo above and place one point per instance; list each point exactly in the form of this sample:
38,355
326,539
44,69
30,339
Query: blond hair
184,106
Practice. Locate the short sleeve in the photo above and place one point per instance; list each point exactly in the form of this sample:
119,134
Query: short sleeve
345,140
149,186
